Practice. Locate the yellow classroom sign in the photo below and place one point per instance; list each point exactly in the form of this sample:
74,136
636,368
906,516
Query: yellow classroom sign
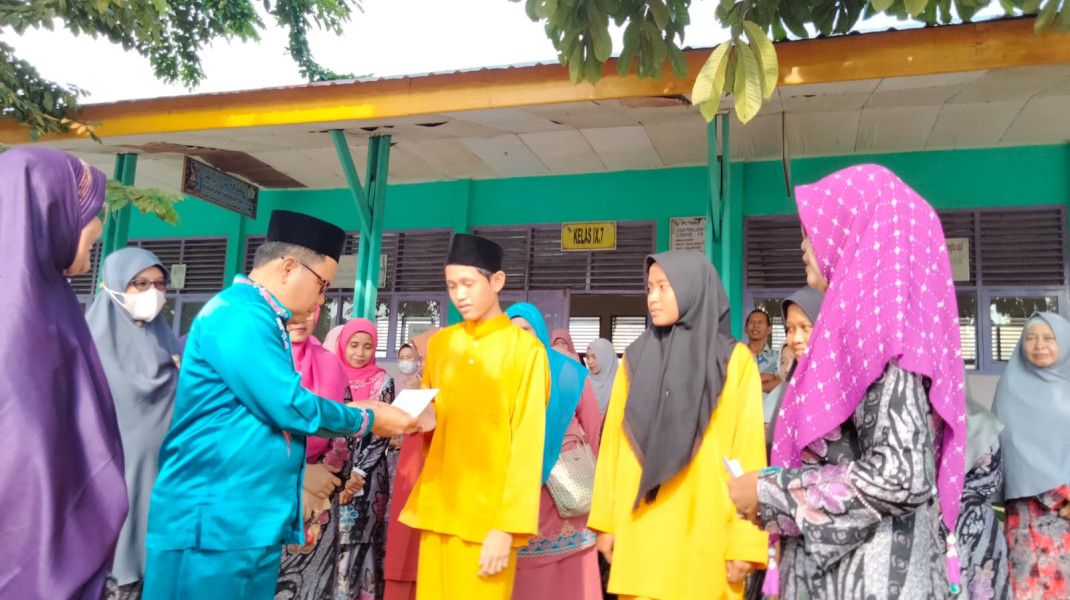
600,235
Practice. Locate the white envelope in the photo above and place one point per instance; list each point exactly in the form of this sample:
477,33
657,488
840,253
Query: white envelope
414,401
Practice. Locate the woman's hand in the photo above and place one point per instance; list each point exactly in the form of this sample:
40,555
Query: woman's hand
353,487
1064,512
320,480
743,491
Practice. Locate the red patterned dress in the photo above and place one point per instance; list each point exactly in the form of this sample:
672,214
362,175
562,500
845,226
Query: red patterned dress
1039,543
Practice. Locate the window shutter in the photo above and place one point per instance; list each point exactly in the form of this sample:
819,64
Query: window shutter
205,260
252,244
86,283
962,224
552,269
584,330
421,256
625,331
774,259
1024,247
622,269
514,241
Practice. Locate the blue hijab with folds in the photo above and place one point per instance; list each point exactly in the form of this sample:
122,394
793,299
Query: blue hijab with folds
567,378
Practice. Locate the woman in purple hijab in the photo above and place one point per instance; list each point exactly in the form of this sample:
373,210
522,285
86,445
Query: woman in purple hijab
62,487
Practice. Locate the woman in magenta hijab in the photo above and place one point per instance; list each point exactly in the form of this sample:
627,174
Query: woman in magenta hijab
62,484
868,452
306,571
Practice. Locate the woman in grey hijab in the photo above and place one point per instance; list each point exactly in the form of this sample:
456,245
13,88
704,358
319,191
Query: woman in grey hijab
139,353
981,543
1033,401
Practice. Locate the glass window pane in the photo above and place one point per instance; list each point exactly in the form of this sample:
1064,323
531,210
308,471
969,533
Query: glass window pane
415,317
584,330
771,306
189,312
168,312
968,328
1009,315
382,325
625,331
328,313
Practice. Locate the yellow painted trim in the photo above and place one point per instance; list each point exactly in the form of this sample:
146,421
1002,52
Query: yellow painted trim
928,51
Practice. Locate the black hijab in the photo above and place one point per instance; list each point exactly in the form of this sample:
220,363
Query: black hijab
677,372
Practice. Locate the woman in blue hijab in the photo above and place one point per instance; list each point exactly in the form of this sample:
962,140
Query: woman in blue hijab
561,563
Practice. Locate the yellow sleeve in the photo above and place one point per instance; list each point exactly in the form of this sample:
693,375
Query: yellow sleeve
605,479
519,511
745,540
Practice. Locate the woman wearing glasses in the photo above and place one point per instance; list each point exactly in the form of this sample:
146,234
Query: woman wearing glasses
139,353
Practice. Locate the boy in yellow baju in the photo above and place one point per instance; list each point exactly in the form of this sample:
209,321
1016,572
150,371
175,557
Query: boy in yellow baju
477,498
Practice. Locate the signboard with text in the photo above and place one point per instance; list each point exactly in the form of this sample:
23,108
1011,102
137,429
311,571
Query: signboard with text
687,233
958,250
600,235
222,189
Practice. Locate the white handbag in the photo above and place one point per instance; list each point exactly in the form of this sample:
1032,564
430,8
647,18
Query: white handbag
571,482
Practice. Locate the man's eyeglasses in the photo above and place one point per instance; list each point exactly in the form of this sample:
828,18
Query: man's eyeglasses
143,285
324,284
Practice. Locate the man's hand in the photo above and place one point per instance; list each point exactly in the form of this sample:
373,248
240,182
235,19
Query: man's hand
320,480
1064,512
353,485
389,420
738,570
495,555
605,542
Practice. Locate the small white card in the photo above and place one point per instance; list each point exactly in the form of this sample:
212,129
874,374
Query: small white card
734,469
414,401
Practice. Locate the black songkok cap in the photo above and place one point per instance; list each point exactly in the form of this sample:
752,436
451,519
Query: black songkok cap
302,230
474,251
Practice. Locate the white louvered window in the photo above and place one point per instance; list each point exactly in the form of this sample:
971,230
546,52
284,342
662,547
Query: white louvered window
584,330
625,331
1019,263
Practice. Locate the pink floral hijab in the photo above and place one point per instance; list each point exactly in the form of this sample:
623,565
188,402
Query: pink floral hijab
321,374
365,382
890,297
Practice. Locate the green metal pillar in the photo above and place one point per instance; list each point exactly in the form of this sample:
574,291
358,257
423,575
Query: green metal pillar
713,207
731,231
370,204
378,167
117,229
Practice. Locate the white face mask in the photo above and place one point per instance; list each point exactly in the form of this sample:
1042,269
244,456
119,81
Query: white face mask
143,306
408,367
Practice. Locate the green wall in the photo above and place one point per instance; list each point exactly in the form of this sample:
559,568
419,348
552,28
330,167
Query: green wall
949,179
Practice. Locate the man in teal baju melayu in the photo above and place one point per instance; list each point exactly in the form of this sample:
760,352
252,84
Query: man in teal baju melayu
228,495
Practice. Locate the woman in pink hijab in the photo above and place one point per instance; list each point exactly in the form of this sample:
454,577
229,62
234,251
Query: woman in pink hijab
561,340
868,452
367,495
306,571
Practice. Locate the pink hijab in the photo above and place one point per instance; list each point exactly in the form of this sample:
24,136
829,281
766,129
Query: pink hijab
366,382
321,374
891,296
563,334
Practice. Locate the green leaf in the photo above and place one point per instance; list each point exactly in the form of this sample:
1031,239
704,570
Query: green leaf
545,8
576,65
1046,16
916,7
603,44
593,68
747,87
793,24
882,5
1030,7
709,110
1063,24
660,12
709,84
677,59
768,70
